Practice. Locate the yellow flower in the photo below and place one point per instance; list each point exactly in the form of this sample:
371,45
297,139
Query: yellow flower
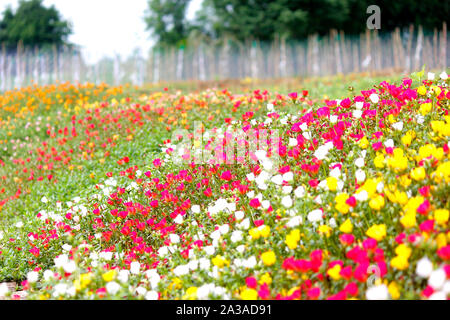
324,229
408,220
407,139
334,272
441,216
422,90
219,262
332,183
400,263
418,174
109,276
441,240
191,294
364,143
377,203
394,290
269,258
377,232
265,278
341,204
264,231
403,250
379,161
346,227
255,233
249,294
292,239
425,108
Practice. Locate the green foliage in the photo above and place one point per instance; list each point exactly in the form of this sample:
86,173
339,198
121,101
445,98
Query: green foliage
34,25
166,19
293,19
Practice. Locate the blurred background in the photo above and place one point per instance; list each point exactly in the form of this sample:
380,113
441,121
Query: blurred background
145,42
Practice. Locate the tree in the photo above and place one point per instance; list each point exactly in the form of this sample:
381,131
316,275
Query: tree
296,19
166,19
34,25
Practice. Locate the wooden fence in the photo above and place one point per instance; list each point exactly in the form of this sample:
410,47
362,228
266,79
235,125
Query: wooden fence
403,51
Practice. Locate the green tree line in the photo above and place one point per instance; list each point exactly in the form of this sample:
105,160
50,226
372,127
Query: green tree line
293,19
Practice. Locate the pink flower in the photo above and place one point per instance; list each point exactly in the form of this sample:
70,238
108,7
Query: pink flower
251,282
254,203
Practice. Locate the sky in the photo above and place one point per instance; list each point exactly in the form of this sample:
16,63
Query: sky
106,27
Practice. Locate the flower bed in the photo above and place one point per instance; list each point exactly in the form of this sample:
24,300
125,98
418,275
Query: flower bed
345,199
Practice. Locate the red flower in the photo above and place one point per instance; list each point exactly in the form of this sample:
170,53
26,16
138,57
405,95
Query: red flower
254,203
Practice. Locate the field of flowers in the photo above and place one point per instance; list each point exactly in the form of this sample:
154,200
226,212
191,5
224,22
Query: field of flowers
107,194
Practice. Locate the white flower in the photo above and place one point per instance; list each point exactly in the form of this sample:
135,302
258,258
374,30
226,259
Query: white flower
294,222
357,114
287,202
48,274
181,270
44,199
315,215
270,107
239,215
439,295
174,238
245,224
443,75
141,291
336,173
374,98
209,250
19,224
123,276
32,276
250,262
377,293
430,76
278,179
163,251
195,208
307,135
178,219
67,247
3,290
359,105
112,287
236,236
265,204
61,260
135,267
362,195
286,190
293,142
333,119
424,268
267,164
360,175
204,263
152,295
107,256
224,229
447,287
288,176
437,279
359,162
59,289
251,177
70,266
398,126
389,143
215,235
300,192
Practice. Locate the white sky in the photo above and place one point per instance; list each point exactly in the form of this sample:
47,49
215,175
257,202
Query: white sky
106,27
